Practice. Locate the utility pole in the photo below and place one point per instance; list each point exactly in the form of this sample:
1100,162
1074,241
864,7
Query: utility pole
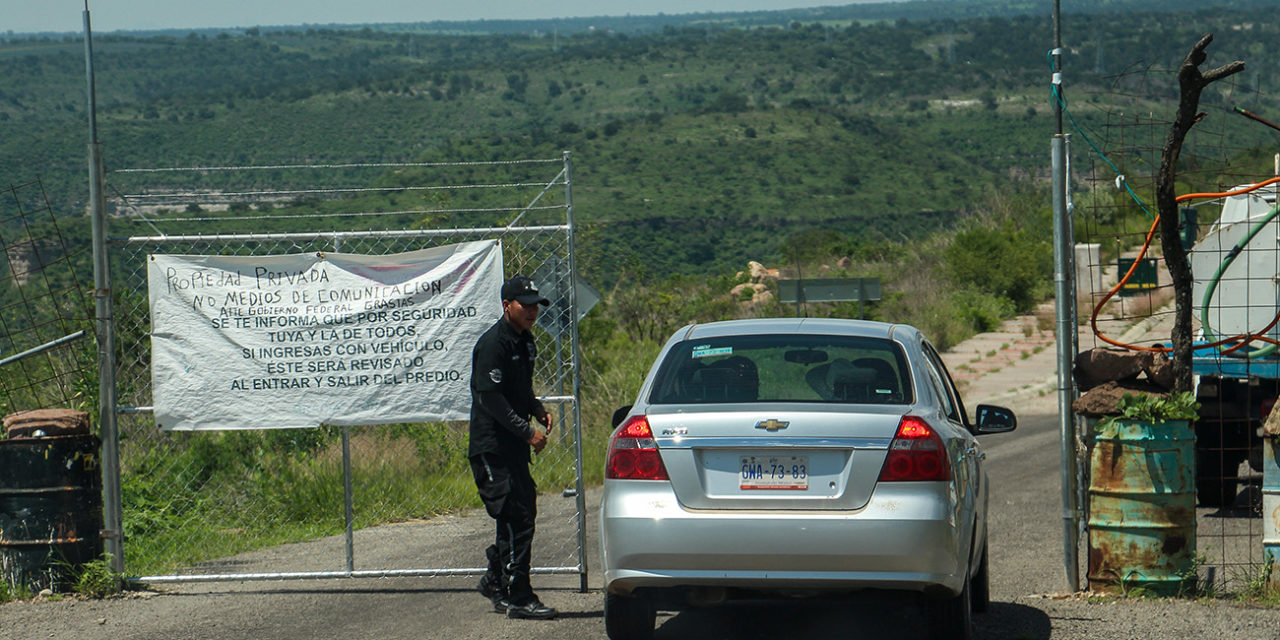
1064,292
112,521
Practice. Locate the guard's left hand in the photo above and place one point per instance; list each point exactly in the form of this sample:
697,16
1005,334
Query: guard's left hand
547,421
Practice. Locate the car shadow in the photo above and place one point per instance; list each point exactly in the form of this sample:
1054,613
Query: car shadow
874,616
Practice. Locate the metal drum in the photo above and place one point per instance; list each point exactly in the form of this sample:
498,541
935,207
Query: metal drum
1271,506
1142,515
50,508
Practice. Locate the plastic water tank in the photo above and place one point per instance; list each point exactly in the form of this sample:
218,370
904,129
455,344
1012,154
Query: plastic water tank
1247,295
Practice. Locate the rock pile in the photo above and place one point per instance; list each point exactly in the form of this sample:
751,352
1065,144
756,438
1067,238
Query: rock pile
1105,375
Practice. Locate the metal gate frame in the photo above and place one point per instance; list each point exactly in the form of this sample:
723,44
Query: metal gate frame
335,239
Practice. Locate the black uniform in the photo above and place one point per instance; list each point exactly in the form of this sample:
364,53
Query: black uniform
502,401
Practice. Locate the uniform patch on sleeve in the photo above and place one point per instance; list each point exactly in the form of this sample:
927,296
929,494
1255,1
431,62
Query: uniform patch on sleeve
496,376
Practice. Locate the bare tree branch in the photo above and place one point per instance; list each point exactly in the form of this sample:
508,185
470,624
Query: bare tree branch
1192,83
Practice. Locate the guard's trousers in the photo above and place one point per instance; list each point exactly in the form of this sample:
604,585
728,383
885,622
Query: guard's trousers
511,498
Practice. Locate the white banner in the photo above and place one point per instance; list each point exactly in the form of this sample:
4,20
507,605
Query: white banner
262,342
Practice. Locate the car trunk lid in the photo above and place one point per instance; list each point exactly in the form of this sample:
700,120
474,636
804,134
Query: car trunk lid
781,457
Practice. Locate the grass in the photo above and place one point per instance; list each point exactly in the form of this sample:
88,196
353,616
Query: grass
395,478
97,580
11,592
1257,589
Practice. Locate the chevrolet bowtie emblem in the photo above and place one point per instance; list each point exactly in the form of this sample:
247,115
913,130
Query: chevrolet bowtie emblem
772,425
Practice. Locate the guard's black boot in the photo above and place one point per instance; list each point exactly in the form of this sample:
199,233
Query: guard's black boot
501,605
532,609
492,589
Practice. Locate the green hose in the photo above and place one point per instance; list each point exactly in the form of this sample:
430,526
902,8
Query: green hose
1217,276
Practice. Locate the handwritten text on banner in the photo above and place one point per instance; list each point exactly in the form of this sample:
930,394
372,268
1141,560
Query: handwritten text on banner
260,342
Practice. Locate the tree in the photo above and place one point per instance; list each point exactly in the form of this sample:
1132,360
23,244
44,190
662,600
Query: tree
1192,82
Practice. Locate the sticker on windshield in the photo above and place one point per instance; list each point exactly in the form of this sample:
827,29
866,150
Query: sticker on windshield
706,351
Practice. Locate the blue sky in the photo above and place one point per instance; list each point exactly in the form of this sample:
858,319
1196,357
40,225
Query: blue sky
24,16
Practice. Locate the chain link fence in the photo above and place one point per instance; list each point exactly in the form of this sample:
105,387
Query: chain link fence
1126,295
374,499
46,332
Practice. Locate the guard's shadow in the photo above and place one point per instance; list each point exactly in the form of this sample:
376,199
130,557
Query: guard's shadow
873,616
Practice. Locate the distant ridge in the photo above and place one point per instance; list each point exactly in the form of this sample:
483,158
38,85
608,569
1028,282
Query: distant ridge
633,24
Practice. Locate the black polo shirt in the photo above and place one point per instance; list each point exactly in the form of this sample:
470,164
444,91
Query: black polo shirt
502,398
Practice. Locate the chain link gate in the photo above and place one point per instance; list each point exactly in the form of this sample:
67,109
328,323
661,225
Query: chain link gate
220,505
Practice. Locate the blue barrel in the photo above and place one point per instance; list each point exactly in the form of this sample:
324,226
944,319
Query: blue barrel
50,509
1271,506
1142,508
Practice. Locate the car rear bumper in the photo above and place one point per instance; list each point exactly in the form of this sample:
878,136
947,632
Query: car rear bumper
901,540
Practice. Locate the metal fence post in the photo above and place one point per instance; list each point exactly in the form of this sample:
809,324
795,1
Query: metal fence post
1066,327
577,375
112,520
348,499
348,495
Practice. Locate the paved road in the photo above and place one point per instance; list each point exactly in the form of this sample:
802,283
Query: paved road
1027,585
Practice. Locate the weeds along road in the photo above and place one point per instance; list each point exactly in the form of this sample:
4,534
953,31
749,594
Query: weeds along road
1026,562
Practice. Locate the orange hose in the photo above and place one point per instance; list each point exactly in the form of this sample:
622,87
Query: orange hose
1243,339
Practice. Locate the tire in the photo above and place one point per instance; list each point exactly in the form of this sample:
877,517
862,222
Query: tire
628,618
952,618
981,595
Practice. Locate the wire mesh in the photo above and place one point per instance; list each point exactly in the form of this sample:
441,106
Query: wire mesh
46,317
199,504
1118,138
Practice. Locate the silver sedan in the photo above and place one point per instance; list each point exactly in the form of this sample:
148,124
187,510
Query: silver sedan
793,457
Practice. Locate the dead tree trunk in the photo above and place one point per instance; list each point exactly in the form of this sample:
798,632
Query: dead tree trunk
1192,83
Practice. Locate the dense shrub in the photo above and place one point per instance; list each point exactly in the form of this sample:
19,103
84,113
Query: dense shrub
1006,263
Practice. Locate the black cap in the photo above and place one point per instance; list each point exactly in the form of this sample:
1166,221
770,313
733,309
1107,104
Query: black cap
523,290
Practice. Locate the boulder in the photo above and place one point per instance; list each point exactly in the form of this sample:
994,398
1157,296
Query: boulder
760,273
1100,365
1160,371
1104,399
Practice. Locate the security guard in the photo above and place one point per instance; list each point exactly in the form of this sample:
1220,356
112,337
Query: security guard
502,402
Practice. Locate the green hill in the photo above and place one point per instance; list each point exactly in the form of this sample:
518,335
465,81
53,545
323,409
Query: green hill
698,144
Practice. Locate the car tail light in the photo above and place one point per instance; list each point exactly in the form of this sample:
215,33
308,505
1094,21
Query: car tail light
633,454
917,453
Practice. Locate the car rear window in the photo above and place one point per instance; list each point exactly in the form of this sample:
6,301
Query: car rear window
783,368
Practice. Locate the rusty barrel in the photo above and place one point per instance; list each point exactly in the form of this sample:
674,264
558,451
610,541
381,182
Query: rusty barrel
50,508
1142,507
1271,505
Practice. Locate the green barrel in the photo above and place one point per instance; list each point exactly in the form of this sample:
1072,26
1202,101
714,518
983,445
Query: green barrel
1142,507
50,509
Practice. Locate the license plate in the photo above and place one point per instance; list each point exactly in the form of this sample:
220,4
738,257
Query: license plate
773,473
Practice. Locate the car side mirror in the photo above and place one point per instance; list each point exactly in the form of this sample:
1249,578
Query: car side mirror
994,419
619,415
